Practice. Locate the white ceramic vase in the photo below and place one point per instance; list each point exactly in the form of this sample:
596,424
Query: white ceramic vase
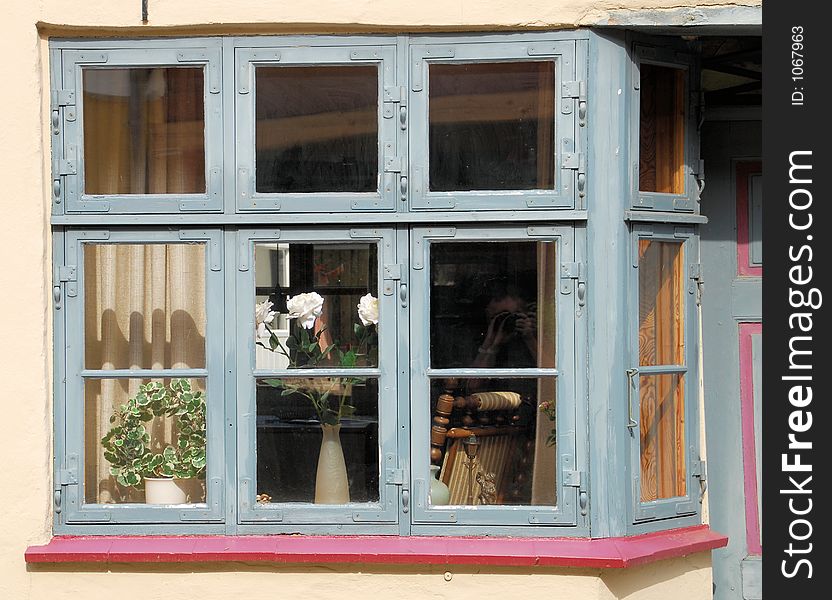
331,483
164,490
439,494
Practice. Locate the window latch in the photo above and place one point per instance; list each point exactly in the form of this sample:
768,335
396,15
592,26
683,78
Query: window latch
631,384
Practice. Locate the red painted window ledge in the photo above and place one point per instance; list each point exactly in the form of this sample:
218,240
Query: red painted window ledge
619,552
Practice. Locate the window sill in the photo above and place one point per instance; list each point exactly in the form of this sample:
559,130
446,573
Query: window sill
615,553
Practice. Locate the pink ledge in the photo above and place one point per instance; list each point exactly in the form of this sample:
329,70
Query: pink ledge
521,552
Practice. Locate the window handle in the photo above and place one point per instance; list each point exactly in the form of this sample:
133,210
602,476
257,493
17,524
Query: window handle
405,501
403,294
631,383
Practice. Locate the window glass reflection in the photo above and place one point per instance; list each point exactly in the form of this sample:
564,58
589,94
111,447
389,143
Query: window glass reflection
492,304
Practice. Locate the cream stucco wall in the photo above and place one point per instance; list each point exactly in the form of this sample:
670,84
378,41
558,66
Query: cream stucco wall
25,333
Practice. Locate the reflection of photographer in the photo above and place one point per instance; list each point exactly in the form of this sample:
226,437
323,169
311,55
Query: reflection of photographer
511,337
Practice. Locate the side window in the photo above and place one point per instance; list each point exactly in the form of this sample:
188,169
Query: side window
666,170
495,125
663,381
317,128
138,131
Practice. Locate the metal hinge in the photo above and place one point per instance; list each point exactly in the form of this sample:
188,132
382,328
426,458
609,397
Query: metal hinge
394,94
573,478
574,90
700,469
577,162
392,274
393,164
697,282
394,477
67,273
699,176
570,271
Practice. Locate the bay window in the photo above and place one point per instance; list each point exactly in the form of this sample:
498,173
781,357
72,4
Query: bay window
334,285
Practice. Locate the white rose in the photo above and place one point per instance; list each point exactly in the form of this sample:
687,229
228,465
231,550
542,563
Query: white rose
305,308
263,315
368,310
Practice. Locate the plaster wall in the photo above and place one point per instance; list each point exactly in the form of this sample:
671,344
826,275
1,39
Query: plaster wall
25,284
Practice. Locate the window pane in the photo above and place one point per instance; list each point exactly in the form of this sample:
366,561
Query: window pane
663,442
294,463
512,421
492,126
492,304
317,129
336,282
144,131
144,306
661,318
123,449
662,130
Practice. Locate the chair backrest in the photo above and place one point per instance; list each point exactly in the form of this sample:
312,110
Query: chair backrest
492,417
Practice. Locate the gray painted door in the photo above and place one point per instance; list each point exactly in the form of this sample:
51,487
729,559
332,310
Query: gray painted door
732,349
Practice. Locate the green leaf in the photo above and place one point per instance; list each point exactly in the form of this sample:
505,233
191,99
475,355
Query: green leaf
349,359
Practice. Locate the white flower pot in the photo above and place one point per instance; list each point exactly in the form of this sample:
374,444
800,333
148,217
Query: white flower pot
164,490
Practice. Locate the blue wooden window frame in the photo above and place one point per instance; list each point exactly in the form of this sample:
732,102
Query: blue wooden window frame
569,57
506,520
224,220
318,51
69,482
376,517
68,194
676,56
689,504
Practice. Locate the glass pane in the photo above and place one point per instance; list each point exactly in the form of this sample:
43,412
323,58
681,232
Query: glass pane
317,129
144,306
661,292
300,460
663,442
662,130
492,304
492,126
137,447
144,131
316,305
494,441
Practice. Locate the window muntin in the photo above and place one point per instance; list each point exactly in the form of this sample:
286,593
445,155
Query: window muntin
491,126
144,130
316,129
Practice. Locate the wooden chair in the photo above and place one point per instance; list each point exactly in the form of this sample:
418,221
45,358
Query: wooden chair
503,446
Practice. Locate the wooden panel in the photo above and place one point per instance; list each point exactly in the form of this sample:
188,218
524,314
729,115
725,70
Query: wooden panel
662,130
662,418
661,304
